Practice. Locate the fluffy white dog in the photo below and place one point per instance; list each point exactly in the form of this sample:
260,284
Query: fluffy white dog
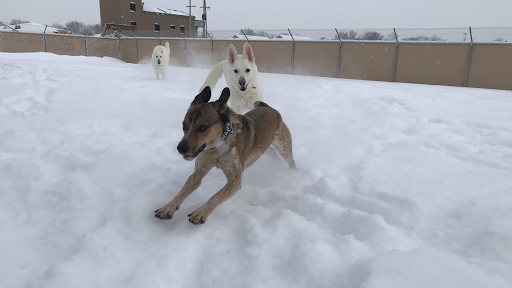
160,60
242,78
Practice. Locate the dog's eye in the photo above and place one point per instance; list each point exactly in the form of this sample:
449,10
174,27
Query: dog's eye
236,71
203,128
183,126
248,70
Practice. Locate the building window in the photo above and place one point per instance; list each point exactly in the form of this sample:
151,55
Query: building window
157,27
133,23
182,29
173,27
132,7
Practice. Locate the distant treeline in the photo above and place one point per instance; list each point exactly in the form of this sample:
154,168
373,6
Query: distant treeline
351,35
75,27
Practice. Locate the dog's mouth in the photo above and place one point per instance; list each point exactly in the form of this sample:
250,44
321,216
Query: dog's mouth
193,156
243,88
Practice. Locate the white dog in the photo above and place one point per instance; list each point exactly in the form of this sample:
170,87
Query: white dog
160,60
242,78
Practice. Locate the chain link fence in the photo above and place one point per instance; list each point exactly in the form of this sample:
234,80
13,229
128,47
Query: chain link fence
473,57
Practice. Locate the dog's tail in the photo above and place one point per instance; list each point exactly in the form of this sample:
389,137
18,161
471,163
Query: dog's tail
168,48
261,104
214,76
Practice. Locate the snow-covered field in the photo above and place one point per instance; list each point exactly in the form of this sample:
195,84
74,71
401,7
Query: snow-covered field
398,185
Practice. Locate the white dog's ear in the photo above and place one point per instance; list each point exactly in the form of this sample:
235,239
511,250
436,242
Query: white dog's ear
203,97
231,53
248,52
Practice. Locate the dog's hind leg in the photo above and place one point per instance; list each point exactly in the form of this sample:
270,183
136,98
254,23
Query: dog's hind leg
283,144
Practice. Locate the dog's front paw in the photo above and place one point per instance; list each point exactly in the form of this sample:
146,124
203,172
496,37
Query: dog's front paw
166,212
199,215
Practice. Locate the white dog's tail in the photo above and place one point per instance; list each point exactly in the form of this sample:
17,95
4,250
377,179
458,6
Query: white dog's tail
168,48
214,76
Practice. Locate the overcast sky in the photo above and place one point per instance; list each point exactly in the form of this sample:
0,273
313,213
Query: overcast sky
275,14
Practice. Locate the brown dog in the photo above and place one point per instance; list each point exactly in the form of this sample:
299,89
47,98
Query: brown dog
220,138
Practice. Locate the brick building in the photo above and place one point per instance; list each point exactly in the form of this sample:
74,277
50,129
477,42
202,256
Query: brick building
146,20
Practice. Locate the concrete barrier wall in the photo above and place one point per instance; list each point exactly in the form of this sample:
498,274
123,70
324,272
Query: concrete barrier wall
65,45
272,56
490,65
316,58
129,50
440,64
102,47
367,61
145,48
21,42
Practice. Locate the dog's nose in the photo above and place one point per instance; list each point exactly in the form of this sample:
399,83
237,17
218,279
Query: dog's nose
241,82
182,148
158,61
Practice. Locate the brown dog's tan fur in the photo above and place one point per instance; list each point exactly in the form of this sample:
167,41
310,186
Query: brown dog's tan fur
251,135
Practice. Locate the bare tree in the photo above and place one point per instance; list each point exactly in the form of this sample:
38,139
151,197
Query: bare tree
17,21
423,38
80,28
249,31
76,27
351,35
371,36
58,26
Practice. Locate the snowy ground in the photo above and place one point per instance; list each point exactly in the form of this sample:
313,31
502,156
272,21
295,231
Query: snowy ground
398,185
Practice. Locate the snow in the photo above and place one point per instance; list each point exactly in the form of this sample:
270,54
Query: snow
250,37
34,28
296,38
398,185
145,8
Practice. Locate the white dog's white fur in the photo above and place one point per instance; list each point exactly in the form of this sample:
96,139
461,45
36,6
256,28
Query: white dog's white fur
160,60
242,78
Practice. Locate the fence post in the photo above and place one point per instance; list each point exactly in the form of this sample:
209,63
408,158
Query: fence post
119,48
246,38
211,38
293,50
185,49
339,55
136,48
159,40
396,56
44,37
85,41
469,58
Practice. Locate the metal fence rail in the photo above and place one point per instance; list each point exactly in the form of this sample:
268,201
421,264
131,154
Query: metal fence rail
472,57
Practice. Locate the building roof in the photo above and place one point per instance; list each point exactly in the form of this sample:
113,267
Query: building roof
145,8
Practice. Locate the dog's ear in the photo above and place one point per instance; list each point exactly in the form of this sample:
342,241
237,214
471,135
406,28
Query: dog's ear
231,53
248,52
223,99
203,97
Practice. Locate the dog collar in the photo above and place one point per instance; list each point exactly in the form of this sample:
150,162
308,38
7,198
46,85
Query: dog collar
227,131
225,134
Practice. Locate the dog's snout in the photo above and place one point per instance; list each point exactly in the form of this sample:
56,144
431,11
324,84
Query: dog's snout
182,148
241,82
158,61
